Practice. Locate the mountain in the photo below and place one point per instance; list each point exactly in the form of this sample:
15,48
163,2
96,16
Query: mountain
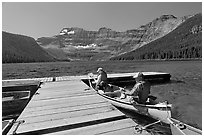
166,37
183,42
19,48
79,44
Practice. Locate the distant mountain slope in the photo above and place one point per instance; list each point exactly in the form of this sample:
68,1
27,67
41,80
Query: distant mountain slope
19,48
166,37
183,42
77,43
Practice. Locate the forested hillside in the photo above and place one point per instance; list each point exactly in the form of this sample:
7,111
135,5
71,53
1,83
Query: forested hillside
19,49
184,42
79,44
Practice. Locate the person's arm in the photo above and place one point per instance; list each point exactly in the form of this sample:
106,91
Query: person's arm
98,80
123,90
134,90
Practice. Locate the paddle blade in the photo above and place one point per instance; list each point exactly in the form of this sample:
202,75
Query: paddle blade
152,97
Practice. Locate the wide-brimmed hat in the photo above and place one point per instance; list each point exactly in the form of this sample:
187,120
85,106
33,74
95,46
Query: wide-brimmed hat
99,69
138,75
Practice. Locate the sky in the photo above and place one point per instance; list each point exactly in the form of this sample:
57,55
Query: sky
46,19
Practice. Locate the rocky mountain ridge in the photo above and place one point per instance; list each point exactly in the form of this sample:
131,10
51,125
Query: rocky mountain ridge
79,44
184,42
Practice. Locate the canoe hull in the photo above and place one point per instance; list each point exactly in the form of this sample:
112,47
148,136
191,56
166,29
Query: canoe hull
179,128
160,111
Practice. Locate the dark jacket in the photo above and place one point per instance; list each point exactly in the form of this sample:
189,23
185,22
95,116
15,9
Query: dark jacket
102,77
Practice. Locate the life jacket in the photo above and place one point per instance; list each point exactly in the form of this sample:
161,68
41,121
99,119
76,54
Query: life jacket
144,91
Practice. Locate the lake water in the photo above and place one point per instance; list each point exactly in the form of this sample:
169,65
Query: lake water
53,69
185,88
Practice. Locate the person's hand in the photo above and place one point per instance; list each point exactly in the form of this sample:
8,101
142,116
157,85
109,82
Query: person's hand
122,89
123,95
91,75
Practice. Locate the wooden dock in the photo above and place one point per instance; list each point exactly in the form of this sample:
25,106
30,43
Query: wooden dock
69,107
112,77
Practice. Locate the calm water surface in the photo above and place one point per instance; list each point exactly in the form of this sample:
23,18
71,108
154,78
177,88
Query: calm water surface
53,69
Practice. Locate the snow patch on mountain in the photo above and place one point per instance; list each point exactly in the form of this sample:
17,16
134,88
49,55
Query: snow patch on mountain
93,45
66,32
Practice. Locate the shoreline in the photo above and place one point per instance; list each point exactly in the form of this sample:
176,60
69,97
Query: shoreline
142,60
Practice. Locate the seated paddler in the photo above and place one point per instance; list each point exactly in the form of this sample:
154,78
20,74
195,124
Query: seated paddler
140,91
102,80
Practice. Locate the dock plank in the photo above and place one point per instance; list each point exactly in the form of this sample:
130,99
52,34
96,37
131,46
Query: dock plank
101,128
66,114
65,100
56,106
44,95
57,96
65,109
50,126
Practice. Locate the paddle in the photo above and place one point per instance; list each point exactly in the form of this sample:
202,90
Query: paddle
91,76
152,97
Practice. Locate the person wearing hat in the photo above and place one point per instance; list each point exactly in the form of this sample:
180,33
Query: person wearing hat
140,91
102,80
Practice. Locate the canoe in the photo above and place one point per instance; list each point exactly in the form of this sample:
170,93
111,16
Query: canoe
14,102
158,111
124,79
179,128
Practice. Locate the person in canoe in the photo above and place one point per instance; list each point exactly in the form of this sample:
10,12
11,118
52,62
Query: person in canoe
140,91
102,80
